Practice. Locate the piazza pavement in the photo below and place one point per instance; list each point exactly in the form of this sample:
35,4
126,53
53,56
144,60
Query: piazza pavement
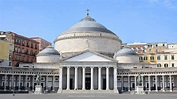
88,96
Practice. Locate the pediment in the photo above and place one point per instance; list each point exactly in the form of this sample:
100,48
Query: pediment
89,56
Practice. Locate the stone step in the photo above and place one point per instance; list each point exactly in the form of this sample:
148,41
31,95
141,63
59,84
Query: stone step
87,91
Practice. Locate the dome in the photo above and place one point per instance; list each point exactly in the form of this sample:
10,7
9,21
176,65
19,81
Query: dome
87,24
48,55
125,51
87,34
48,51
126,55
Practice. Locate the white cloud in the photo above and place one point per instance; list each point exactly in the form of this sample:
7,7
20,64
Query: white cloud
165,3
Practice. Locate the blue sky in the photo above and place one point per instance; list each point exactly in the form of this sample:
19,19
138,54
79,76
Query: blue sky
131,20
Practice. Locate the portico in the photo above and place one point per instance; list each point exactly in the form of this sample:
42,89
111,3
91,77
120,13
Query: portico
94,73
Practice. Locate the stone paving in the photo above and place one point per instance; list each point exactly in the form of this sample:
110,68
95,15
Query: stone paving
88,96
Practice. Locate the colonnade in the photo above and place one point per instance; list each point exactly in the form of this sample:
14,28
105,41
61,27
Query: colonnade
157,81
19,81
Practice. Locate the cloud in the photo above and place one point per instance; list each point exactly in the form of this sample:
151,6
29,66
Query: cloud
165,3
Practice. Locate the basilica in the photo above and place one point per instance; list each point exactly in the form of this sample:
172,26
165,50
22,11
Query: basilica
88,58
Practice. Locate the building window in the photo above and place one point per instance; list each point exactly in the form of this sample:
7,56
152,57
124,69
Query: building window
158,57
158,65
140,58
165,57
172,57
152,58
145,58
172,65
165,65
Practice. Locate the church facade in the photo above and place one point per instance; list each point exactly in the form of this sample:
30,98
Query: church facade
87,57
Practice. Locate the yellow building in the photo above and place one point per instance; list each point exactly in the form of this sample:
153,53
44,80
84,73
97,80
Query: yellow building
4,50
148,58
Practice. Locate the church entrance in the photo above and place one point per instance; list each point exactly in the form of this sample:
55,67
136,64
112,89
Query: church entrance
87,83
104,84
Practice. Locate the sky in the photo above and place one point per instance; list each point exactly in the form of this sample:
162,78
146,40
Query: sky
132,20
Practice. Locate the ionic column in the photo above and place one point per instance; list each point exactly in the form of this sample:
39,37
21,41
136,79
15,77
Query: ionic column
53,81
107,78
46,83
156,83
60,80
170,83
142,81
122,83
33,82
149,81
26,80
68,78
76,78
83,78
91,78
135,81
12,83
163,82
5,81
19,81
99,78
115,80
128,83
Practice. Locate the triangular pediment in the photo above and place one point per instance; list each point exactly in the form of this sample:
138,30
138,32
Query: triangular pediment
89,56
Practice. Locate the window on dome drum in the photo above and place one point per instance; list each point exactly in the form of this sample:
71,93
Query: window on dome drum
166,65
140,58
165,57
152,58
172,65
158,57
172,57
158,65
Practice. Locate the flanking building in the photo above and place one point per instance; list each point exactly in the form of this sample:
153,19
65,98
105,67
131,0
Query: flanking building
88,57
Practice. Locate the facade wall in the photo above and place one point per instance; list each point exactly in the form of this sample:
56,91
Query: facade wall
25,50
42,43
167,60
148,58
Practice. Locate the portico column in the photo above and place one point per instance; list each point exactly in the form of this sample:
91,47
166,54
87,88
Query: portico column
115,80
12,83
163,82
122,83
60,80
33,82
68,78
99,78
107,78
26,80
170,83
83,78
143,82
128,83
46,83
19,81
76,78
135,81
156,83
53,81
91,78
149,81
5,81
